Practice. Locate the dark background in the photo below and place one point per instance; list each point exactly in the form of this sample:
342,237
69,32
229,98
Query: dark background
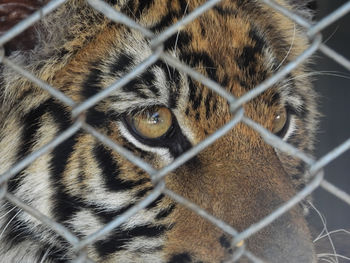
333,86
334,103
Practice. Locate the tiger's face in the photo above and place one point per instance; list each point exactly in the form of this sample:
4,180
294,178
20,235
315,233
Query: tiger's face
158,116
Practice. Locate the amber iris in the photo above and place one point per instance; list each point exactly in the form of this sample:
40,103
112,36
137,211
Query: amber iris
152,123
280,121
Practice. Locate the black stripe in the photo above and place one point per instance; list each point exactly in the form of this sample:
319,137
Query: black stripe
144,5
97,118
165,212
119,238
155,202
201,59
92,83
195,96
165,22
122,63
65,205
207,101
181,40
179,145
149,79
111,172
175,91
135,86
108,216
260,42
224,242
31,123
301,169
180,258
168,18
143,192
225,11
197,116
17,231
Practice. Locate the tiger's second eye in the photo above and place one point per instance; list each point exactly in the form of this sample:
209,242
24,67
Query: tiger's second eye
152,123
280,121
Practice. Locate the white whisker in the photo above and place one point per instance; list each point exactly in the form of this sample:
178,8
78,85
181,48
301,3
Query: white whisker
333,232
45,255
290,49
178,32
9,222
324,230
326,259
9,211
331,35
332,255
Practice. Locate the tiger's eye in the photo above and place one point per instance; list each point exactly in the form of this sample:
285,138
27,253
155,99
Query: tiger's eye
152,123
280,120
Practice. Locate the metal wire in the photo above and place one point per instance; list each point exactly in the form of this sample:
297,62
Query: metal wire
315,167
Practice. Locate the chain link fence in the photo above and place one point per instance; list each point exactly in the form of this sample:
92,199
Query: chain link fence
315,167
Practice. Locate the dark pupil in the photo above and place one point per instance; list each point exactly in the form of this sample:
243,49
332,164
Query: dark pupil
154,117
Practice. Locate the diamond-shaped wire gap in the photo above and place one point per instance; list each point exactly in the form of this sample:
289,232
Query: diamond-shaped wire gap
201,212
54,92
19,166
274,79
330,156
199,147
30,20
153,195
342,195
278,143
307,190
119,149
340,59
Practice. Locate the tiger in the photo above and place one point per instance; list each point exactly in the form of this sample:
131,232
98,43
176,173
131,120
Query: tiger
160,114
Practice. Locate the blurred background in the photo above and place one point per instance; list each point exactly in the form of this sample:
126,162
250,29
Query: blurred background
333,85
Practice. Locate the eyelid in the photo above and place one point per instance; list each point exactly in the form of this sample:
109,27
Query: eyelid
291,128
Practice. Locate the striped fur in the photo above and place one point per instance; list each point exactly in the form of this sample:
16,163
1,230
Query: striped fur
83,184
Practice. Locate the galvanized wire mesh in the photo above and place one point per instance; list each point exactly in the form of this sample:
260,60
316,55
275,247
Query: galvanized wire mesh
315,167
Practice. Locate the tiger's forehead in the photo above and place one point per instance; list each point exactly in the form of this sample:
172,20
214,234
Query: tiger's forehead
229,43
